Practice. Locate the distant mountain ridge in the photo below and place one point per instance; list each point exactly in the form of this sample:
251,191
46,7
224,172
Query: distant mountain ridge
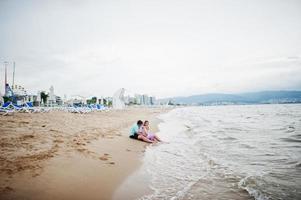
240,98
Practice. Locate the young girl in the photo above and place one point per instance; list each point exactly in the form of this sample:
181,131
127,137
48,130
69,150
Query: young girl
148,134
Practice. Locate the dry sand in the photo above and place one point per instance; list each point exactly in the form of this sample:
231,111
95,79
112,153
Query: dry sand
61,155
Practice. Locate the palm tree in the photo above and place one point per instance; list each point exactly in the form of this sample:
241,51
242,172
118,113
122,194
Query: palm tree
44,97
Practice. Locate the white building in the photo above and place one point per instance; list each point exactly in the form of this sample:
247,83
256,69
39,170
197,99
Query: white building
152,100
58,100
18,90
31,98
76,99
145,99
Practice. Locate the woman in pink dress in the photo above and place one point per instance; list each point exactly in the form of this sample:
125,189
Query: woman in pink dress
150,136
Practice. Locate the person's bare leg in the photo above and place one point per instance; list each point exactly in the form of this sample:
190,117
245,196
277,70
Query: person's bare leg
157,138
145,139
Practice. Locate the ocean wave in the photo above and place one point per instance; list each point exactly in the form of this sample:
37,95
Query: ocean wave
233,129
297,136
291,140
227,138
298,165
290,129
247,146
250,184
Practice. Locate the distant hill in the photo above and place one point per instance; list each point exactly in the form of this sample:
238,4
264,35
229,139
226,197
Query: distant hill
241,98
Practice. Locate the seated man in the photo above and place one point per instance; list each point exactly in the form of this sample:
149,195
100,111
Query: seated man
137,133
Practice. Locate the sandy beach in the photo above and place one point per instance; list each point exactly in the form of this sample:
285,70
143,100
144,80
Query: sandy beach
59,155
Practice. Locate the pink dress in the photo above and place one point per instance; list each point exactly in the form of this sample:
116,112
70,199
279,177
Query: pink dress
150,136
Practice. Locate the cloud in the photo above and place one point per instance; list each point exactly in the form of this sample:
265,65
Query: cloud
166,48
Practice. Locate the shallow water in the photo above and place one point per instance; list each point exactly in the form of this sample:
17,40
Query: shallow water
227,152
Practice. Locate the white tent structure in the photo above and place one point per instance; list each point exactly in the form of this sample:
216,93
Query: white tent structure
118,99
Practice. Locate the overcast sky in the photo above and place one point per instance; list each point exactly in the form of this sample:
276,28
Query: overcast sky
162,48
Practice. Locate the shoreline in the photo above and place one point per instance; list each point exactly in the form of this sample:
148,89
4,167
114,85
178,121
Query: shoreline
135,181
63,155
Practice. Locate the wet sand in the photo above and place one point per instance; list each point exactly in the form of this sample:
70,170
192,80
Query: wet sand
59,155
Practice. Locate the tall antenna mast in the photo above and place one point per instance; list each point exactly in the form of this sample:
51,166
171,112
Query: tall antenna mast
14,74
5,65
5,81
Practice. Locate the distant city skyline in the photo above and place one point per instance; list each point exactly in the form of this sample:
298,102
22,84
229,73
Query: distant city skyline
160,48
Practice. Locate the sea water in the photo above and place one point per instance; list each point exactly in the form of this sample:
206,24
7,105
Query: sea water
227,152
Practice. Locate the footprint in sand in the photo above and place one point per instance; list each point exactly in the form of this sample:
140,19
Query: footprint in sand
7,189
104,157
58,141
35,175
